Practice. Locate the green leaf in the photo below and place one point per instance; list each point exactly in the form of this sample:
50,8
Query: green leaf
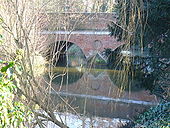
11,64
5,68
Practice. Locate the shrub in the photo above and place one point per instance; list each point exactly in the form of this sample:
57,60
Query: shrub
13,113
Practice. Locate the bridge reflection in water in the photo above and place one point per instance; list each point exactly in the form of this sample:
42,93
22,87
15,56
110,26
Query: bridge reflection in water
92,92
90,87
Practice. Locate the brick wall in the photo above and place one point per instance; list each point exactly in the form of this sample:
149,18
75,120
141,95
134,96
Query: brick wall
81,23
88,43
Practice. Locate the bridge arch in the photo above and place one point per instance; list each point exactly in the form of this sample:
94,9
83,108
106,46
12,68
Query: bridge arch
85,40
65,53
62,54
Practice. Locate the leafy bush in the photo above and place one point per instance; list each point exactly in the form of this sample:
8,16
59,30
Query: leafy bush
156,117
13,114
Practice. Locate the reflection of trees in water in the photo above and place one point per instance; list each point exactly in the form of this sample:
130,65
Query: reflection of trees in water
124,80
96,62
132,68
70,63
67,77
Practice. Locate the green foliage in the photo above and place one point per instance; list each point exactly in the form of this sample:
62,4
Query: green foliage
146,25
144,21
155,117
9,65
13,114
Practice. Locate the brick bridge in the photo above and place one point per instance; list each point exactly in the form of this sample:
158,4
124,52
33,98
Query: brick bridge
86,30
89,32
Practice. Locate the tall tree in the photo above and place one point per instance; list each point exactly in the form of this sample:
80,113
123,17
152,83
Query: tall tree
146,25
